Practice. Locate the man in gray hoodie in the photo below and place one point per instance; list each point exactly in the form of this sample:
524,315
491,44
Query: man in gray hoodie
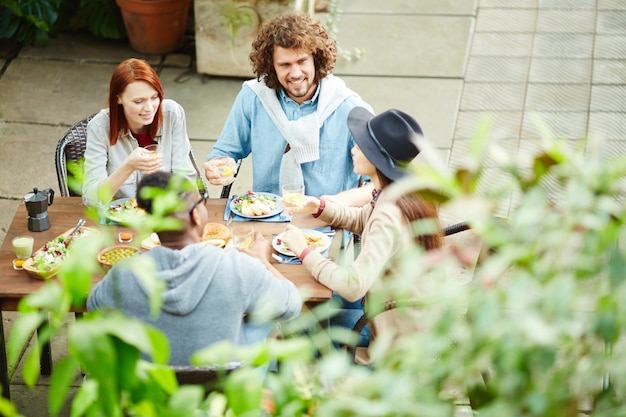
208,290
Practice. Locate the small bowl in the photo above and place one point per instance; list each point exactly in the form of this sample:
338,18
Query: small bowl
110,256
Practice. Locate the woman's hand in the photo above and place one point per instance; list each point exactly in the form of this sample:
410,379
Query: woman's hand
143,160
295,239
311,206
220,171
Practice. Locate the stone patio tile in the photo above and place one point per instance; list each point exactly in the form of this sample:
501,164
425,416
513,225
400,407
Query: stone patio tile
609,46
611,5
502,44
609,71
500,150
611,98
405,45
509,4
493,97
557,97
84,47
609,125
433,102
560,70
27,158
559,45
566,4
570,125
53,92
506,20
7,211
504,124
206,100
567,21
446,7
611,22
497,69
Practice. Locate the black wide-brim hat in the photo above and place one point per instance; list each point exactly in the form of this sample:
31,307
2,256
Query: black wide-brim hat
387,140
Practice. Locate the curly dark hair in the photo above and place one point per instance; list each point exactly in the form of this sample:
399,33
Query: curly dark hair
296,31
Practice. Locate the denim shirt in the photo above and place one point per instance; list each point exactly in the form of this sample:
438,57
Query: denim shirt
250,130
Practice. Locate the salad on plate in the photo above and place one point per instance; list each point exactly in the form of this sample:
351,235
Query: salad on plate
253,204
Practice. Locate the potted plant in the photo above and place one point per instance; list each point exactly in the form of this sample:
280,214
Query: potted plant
155,27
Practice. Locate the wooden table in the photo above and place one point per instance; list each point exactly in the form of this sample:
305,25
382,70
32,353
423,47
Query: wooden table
65,212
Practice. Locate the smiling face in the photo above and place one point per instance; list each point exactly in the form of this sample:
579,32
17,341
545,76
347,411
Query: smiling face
295,70
140,102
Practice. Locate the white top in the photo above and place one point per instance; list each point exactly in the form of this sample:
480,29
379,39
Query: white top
102,159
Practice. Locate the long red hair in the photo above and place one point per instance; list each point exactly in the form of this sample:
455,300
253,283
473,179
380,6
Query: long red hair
127,72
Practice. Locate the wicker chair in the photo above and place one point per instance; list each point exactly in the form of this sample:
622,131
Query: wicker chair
72,146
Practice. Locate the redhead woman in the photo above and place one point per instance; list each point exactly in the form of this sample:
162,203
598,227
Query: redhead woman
137,116
384,146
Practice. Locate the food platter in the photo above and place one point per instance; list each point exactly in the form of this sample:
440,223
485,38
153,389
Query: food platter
110,256
254,198
50,268
316,240
123,211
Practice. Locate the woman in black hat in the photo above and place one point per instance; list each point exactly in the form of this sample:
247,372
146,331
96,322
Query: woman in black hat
385,146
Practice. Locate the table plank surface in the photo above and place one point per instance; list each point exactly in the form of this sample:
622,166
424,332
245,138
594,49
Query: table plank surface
65,212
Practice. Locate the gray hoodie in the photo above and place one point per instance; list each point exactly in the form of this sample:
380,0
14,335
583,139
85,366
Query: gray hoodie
209,290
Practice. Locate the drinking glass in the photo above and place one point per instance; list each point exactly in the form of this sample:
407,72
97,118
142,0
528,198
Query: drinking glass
293,197
227,174
155,150
242,235
23,246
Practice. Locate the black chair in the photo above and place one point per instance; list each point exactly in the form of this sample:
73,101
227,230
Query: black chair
71,149
208,376
226,189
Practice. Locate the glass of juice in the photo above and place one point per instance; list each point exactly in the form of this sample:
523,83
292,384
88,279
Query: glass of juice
293,197
242,235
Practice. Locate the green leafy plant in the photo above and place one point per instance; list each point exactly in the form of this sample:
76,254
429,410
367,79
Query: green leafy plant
28,21
539,330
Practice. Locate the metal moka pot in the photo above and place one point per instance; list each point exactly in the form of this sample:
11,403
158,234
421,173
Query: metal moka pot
37,202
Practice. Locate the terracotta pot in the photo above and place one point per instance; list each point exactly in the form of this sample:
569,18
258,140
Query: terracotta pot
155,26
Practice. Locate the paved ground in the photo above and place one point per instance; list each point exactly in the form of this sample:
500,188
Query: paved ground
447,62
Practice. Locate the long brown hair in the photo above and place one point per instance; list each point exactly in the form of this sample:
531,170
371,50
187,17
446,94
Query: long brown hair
292,31
127,72
413,208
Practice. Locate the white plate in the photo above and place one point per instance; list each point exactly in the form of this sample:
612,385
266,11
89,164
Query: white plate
280,247
122,216
278,209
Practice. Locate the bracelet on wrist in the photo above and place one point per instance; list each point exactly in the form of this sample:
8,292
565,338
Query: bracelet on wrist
321,209
304,254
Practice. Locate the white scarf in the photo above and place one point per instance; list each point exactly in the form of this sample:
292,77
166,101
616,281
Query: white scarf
303,135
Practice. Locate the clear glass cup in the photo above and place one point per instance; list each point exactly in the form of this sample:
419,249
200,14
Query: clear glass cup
293,197
23,246
155,150
242,235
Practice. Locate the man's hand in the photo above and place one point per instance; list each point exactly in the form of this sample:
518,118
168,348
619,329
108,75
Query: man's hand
259,249
220,171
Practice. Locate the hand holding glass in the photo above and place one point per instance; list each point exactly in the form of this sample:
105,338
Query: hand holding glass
242,236
156,151
293,197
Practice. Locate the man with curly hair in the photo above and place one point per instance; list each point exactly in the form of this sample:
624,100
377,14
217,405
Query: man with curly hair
293,116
